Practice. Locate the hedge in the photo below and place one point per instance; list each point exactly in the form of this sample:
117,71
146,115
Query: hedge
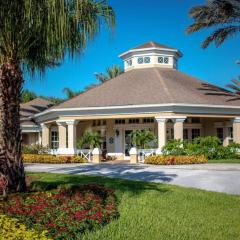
45,158
12,229
175,160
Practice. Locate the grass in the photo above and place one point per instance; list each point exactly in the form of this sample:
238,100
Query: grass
158,211
225,161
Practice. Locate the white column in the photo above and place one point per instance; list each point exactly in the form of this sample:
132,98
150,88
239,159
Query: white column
162,133
62,131
236,130
45,135
72,136
178,128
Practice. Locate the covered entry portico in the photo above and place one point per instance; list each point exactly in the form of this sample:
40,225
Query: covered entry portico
62,134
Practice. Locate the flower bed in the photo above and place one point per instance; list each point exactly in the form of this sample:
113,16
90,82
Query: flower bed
46,158
174,160
64,213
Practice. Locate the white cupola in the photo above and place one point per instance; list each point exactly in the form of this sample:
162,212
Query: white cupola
151,54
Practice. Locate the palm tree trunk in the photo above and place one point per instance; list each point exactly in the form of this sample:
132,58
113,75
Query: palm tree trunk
11,164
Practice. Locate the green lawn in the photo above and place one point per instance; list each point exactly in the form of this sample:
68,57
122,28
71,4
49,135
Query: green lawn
151,211
225,161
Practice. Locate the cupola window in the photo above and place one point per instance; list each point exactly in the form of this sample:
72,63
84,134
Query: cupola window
140,60
160,59
129,62
166,60
147,60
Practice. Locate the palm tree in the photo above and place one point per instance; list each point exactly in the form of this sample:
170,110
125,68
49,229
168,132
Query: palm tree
222,14
90,139
35,35
27,96
112,72
70,93
141,138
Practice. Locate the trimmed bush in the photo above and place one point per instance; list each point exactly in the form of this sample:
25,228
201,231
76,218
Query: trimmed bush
45,158
210,147
34,149
10,228
175,160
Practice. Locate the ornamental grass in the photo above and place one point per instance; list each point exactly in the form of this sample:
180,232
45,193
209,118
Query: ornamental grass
64,213
175,160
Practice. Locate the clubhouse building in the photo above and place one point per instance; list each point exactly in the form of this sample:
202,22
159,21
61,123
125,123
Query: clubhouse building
151,94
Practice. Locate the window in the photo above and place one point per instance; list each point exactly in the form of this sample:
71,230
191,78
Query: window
147,60
148,120
195,133
160,59
163,60
230,132
120,121
133,120
195,120
166,60
129,62
140,60
185,134
220,133
54,140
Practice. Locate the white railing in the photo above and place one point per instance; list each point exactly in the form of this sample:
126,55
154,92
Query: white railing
85,153
53,151
143,153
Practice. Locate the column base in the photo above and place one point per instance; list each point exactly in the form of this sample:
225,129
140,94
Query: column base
159,151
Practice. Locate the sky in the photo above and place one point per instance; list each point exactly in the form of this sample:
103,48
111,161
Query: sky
137,22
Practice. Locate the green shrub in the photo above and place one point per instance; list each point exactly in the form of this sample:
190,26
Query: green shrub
34,149
211,147
45,158
175,160
174,147
11,229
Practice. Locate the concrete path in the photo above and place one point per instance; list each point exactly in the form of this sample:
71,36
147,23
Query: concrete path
214,177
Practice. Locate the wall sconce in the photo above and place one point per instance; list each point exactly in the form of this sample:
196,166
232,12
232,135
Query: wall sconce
117,133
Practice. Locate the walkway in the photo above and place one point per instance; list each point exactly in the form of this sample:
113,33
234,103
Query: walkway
214,177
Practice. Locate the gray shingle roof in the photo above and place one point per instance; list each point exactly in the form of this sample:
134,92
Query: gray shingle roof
152,86
152,44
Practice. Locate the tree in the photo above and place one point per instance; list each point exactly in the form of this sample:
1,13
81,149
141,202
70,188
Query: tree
70,93
141,138
27,96
224,15
111,72
36,35
89,139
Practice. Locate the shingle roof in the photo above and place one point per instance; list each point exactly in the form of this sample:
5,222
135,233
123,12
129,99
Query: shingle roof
151,86
33,107
152,44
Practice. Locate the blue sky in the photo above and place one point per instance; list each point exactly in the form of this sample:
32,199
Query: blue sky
139,21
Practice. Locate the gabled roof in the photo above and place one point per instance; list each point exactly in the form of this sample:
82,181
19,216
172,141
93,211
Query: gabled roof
29,109
152,44
151,86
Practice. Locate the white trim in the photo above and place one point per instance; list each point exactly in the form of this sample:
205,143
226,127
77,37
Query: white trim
138,106
147,49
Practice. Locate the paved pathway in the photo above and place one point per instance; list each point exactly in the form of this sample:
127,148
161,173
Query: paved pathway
214,177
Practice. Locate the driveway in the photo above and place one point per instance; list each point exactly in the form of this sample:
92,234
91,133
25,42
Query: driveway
214,177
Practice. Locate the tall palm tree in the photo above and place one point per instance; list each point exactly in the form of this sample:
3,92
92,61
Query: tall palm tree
35,35
111,72
224,15
141,138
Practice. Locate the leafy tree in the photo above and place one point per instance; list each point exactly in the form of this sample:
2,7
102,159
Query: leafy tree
27,96
224,15
141,138
111,72
36,35
89,139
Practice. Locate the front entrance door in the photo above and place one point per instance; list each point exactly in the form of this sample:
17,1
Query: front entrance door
128,142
